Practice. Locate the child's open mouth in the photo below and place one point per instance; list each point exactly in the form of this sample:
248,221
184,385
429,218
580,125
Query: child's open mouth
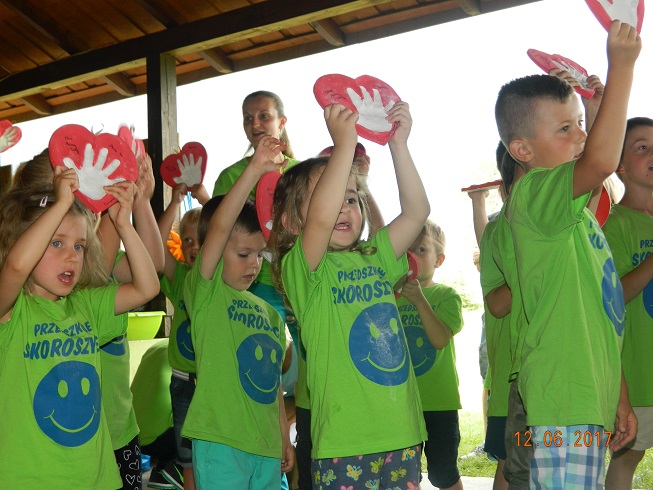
66,277
342,227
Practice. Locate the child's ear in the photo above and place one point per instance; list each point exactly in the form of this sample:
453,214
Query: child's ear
285,222
439,260
520,150
620,169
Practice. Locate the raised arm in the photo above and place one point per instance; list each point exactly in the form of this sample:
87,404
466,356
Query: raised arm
27,251
414,204
224,217
479,213
145,282
329,194
165,225
604,143
438,332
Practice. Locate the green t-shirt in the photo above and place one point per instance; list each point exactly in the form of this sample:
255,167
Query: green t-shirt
497,330
573,304
239,342
181,353
116,395
435,370
53,426
630,235
226,180
363,393
302,396
151,390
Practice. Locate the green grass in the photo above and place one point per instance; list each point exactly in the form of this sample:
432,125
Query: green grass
471,435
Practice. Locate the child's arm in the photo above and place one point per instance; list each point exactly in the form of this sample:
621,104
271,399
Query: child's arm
200,193
330,190
375,218
499,301
145,282
479,214
636,280
414,203
625,425
224,217
603,145
592,105
27,251
144,223
436,330
287,451
165,225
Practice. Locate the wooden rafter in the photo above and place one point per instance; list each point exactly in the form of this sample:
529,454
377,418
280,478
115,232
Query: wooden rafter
470,7
330,31
38,104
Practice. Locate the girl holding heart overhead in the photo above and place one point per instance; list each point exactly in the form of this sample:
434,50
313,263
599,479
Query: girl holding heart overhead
56,309
366,417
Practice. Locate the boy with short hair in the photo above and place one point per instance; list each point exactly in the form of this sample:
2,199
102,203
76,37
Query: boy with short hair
629,231
568,349
431,314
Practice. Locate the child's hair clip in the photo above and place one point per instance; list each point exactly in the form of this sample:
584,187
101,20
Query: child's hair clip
44,201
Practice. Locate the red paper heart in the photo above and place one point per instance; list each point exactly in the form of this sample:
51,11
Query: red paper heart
603,208
264,201
622,10
191,154
488,185
332,89
70,142
18,134
413,269
136,145
549,62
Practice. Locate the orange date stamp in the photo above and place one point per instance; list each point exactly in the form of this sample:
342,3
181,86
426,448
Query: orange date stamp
556,439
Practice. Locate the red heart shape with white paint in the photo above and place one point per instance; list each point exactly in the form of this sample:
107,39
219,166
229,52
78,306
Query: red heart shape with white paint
13,135
186,167
127,135
550,62
603,208
628,11
99,160
264,201
369,96
413,269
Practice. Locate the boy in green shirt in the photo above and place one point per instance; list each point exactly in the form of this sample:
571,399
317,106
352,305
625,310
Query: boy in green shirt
431,314
629,231
568,348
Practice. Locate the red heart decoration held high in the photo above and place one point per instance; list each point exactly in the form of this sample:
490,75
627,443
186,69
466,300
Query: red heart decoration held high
264,200
13,137
549,62
186,167
98,160
628,11
368,96
495,184
413,269
127,134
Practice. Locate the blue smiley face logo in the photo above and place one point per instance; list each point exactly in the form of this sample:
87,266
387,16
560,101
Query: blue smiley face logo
377,345
647,298
422,352
259,367
67,403
613,296
116,347
184,341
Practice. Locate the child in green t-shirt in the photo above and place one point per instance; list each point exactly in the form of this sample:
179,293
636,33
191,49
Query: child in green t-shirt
629,231
366,416
431,314
236,418
568,349
56,309
181,354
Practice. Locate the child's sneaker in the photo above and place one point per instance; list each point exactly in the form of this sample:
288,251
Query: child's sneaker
173,473
157,480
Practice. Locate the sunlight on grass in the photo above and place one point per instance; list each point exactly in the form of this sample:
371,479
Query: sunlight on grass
471,435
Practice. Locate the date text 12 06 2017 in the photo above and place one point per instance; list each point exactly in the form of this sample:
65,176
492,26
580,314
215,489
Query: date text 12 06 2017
555,438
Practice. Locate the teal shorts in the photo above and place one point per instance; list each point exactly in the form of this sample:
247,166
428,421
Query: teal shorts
220,466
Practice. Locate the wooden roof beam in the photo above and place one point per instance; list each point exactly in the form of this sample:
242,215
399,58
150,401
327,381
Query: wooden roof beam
38,104
196,36
218,60
470,7
330,31
121,83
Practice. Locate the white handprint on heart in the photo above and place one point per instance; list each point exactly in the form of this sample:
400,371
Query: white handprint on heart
8,139
191,171
92,176
623,10
372,114
582,79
